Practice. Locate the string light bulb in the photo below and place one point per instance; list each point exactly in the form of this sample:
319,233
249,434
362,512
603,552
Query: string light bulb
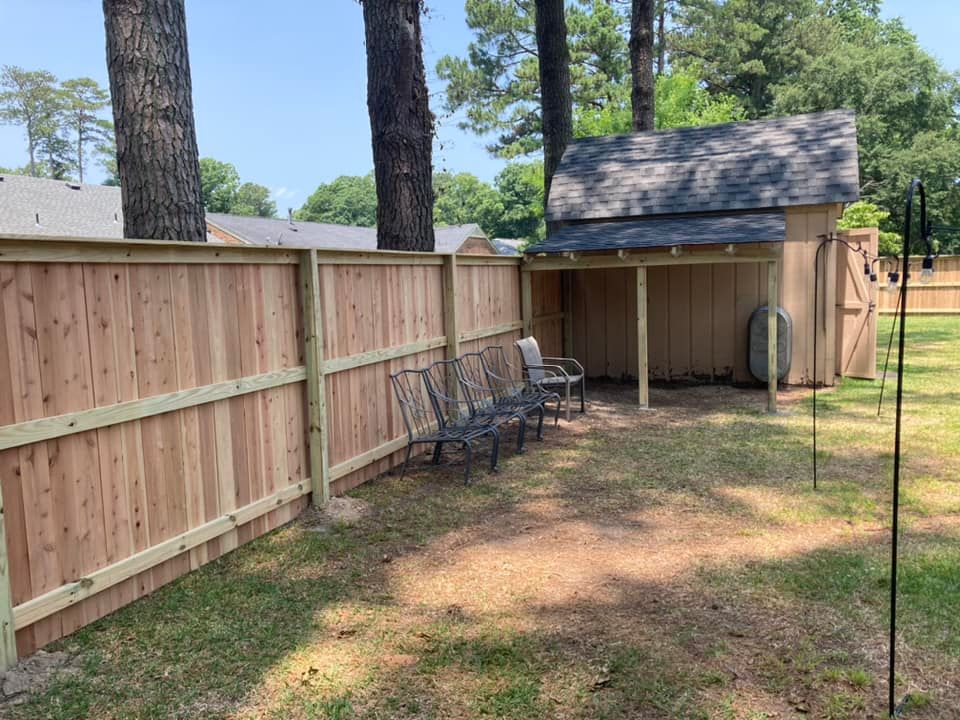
893,279
926,273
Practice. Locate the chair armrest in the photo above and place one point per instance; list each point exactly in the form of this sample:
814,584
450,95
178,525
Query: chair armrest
571,361
555,369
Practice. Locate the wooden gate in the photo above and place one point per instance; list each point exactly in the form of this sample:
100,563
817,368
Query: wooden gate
856,335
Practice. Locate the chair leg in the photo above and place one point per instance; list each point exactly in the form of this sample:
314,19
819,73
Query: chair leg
406,459
540,414
556,414
495,451
568,401
521,434
468,451
583,400
436,453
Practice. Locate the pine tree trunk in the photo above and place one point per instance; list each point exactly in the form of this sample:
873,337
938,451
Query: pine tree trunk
641,64
555,99
661,37
150,86
401,124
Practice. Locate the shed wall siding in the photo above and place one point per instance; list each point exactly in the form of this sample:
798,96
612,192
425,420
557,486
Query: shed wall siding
698,314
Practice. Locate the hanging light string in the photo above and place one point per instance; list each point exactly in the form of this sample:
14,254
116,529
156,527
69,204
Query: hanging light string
870,276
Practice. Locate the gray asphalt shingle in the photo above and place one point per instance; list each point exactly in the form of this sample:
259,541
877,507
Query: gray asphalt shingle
663,232
799,160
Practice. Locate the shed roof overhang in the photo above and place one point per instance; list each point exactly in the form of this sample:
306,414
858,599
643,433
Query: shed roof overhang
665,232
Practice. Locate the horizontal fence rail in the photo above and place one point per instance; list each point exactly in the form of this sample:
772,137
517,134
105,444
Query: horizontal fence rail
940,297
167,402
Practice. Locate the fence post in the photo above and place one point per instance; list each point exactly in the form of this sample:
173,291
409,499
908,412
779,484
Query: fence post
773,320
8,635
316,391
451,325
526,302
643,368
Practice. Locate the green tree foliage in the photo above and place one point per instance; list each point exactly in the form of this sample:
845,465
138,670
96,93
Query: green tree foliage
746,47
463,198
253,199
906,108
520,185
496,87
82,102
29,98
681,100
348,200
62,122
219,182
865,214
223,193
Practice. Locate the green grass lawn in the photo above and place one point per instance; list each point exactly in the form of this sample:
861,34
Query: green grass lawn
666,564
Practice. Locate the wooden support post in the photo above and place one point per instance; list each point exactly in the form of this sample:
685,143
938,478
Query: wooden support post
642,362
773,301
526,303
8,636
451,326
316,390
567,280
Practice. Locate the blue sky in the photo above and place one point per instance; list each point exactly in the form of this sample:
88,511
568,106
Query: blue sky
281,94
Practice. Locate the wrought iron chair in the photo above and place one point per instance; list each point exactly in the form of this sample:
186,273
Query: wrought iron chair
427,424
551,372
446,379
507,385
477,386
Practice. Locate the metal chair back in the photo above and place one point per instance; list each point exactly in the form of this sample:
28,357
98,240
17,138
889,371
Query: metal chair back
443,384
500,373
417,406
475,381
531,355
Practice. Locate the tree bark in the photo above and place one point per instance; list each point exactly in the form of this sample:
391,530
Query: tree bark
401,124
150,86
661,37
555,100
641,64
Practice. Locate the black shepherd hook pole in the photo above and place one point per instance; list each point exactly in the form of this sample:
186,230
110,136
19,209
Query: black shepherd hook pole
927,268
868,268
816,332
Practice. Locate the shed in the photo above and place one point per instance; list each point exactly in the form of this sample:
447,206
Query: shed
661,245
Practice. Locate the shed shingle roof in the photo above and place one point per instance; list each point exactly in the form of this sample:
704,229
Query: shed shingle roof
664,232
798,160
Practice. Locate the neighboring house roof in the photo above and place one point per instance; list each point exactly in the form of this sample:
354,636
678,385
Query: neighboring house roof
660,232
507,246
272,231
798,160
37,206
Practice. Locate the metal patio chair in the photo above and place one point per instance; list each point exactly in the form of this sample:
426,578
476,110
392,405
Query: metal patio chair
476,384
426,424
551,372
507,384
445,378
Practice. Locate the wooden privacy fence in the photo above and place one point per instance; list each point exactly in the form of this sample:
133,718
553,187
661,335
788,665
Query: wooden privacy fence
163,403
940,297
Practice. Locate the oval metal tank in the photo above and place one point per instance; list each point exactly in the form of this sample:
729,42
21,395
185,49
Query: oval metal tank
757,343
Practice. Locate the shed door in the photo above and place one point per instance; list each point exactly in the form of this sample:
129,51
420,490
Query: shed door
856,317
